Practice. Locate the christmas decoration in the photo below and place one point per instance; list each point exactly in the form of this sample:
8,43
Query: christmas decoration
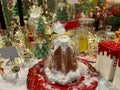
41,26
61,12
2,43
92,42
46,10
41,50
15,11
16,69
10,62
7,40
80,15
115,10
112,15
6,12
19,36
117,36
35,13
85,6
114,22
27,39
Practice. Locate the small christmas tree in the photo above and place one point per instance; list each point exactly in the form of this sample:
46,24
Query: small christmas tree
61,12
15,11
41,26
41,49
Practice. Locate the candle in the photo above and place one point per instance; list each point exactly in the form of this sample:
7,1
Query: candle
2,20
20,9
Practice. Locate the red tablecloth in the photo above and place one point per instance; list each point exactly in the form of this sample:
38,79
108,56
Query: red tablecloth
37,80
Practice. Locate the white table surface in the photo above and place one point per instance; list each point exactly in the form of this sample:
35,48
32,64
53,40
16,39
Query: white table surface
21,82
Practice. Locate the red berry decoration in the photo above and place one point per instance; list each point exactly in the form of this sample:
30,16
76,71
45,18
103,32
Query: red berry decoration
115,10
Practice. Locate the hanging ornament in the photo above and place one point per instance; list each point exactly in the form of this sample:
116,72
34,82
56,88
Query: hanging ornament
15,69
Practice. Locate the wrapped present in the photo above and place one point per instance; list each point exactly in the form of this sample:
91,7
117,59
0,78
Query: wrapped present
106,58
116,79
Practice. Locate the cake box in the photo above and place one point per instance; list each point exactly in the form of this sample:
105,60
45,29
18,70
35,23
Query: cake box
116,79
107,58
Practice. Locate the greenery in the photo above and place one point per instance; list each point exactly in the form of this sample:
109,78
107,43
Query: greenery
15,11
114,21
41,50
6,11
85,6
41,26
61,14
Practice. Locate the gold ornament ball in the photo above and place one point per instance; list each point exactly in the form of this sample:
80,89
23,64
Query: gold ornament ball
16,69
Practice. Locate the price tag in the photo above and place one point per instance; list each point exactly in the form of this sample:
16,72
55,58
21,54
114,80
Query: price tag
9,52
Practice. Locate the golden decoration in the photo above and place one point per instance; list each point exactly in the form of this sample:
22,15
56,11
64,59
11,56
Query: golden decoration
117,36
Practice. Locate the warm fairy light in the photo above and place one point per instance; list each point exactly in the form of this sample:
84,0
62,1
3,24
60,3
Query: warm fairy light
91,0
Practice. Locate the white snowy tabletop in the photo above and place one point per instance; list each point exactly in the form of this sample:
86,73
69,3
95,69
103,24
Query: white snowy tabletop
21,82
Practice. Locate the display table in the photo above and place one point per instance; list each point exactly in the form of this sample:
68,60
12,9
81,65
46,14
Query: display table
107,58
22,85
37,80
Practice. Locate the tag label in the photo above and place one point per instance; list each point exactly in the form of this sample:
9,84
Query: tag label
9,52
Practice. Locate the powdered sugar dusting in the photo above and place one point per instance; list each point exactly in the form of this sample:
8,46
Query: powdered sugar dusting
59,77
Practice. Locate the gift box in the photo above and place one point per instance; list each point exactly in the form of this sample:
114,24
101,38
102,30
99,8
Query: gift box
71,24
107,58
116,79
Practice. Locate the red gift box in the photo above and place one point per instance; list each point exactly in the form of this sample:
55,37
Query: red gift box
71,24
108,54
112,48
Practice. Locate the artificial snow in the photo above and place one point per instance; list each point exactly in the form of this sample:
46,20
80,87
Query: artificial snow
21,82
60,78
